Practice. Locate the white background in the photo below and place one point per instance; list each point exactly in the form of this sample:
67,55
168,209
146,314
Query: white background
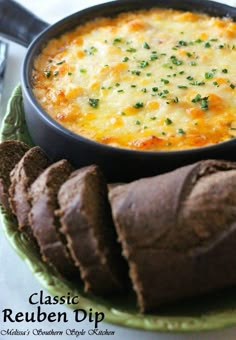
16,280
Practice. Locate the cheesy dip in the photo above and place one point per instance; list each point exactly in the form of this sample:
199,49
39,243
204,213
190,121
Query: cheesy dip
157,79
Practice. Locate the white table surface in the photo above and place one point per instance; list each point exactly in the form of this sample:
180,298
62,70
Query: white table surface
16,280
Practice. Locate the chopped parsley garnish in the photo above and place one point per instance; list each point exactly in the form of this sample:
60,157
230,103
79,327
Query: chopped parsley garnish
153,118
155,89
193,63
209,75
182,86
137,122
144,90
120,91
93,102
204,104
69,73
125,59
189,78
203,101
181,131
92,50
55,73
138,105
60,62
165,81
153,57
144,64
133,85
207,44
168,121
47,73
175,100
145,45
181,72
148,74
232,86
182,43
163,93
197,98
176,61
83,70
131,50
225,70
136,72
215,83
117,40
197,83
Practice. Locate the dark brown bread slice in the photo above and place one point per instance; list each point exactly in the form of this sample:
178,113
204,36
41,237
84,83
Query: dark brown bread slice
87,224
178,231
45,225
11,152
22,176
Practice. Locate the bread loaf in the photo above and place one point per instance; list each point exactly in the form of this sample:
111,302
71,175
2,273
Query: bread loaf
178,232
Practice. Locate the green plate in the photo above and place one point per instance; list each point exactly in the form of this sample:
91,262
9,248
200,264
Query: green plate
205,313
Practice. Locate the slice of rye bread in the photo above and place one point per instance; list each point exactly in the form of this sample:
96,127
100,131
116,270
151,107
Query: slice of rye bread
22,176
87,224
11,152
45,224
178,231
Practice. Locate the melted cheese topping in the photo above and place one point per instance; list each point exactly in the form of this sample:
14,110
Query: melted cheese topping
150,80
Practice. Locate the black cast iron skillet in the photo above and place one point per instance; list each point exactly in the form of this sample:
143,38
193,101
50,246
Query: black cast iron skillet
119,164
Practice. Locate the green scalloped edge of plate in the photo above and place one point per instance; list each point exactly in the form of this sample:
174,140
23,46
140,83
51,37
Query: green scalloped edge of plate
202,314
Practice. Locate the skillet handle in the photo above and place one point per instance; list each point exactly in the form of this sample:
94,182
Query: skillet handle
18,24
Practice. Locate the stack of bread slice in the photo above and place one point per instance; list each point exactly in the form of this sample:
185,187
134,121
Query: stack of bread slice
173,235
